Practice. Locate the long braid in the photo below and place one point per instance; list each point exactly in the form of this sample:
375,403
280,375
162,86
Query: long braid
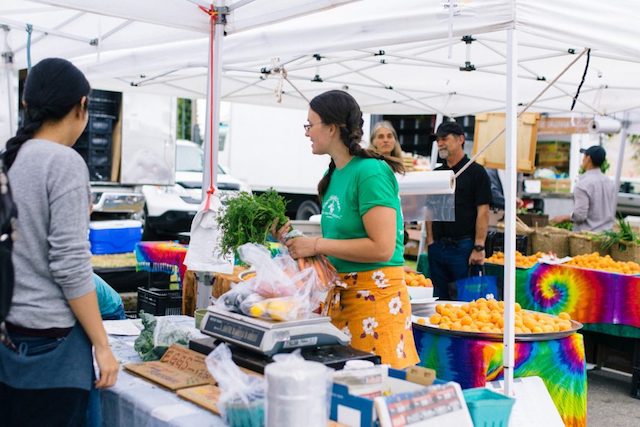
32,122
324,182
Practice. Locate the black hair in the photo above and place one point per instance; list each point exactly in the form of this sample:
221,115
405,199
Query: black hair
53,87
339,108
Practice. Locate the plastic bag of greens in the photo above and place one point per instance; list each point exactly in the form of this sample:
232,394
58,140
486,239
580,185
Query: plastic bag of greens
158,335
241,402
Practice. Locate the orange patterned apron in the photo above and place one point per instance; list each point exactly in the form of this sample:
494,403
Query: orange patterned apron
373,308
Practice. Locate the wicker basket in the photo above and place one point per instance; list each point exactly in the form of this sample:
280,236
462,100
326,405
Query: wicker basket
551,239
585,243
625,252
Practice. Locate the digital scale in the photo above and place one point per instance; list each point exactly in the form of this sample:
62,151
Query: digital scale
268,337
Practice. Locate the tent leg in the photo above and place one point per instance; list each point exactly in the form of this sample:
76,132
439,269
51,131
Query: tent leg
623,144
212,125
511,145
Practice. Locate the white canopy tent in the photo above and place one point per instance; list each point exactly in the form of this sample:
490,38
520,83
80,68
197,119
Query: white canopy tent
399,57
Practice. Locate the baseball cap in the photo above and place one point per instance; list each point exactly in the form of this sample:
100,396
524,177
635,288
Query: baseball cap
597,154
447,128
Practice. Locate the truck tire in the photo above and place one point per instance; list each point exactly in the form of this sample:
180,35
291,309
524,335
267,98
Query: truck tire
148,233
306,210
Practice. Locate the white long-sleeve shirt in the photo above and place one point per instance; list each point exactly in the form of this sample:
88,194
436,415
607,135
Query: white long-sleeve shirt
594,199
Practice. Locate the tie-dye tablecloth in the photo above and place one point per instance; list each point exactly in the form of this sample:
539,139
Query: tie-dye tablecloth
164,257
472,362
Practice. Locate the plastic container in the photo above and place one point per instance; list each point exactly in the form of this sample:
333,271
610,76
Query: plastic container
488,408
112,237
199,315
160,302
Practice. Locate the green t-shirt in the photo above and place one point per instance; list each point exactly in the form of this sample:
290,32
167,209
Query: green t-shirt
359,186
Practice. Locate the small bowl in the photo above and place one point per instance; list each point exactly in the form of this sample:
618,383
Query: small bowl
420,292
199,315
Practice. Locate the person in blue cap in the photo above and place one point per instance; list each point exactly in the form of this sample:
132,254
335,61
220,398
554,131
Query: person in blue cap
594,196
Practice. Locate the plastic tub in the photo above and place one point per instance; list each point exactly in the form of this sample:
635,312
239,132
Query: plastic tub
488,408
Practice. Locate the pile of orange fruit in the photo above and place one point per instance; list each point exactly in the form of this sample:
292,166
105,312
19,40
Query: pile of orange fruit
522,261
416,279
595,261
484,315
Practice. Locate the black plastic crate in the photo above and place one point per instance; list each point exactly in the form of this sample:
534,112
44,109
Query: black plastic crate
100,160
159,302
100,124
100,173
495,243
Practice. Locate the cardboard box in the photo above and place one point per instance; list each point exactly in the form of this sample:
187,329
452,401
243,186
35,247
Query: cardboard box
360,411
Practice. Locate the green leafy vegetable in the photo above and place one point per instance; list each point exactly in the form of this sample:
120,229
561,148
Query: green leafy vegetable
565,225
248,218
624,235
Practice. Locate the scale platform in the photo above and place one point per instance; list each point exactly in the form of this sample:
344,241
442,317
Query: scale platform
333,356
269,337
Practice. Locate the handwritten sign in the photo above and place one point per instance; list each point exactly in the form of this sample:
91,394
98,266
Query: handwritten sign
206,396
165,375
188,361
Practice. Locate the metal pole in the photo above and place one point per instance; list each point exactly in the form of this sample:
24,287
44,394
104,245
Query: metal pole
511,148
212,124
623,144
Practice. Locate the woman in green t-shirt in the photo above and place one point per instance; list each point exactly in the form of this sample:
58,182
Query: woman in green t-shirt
362,232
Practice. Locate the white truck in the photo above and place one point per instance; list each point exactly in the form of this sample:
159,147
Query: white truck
267,148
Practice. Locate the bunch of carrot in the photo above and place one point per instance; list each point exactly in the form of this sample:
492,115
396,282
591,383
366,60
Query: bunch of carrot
326,272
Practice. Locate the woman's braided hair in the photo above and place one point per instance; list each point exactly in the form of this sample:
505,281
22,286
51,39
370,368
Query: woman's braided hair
53,87
337,107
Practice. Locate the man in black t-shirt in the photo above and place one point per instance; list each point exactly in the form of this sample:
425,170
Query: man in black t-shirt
454,246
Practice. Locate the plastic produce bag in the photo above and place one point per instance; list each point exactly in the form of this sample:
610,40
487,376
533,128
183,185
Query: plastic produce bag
158,335
241,402
273,275
203,253
233,298
325,271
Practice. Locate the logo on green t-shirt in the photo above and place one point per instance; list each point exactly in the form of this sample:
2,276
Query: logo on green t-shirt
331,208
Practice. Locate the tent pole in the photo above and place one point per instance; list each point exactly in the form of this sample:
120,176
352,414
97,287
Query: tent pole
212,124
623,144
7,69
511,150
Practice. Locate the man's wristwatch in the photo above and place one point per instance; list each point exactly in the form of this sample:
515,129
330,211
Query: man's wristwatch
478,248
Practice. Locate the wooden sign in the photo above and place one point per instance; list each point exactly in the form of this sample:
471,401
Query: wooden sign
165,375
489,125
563,125
188,361
206,396
178,368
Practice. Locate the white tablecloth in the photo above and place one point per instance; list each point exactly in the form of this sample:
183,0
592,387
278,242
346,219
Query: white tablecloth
135,402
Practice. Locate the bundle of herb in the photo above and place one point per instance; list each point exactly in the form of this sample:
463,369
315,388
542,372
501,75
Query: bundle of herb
625,235
248,218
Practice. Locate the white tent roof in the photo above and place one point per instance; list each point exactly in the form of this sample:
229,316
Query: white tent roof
415,74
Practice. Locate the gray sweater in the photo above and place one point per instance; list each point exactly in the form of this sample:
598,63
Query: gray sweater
50,185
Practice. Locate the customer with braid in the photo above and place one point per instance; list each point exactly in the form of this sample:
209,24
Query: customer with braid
362,232
46,370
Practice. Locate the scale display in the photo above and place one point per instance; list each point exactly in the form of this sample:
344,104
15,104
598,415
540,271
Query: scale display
234,331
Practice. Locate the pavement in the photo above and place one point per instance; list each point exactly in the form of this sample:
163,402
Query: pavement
608,400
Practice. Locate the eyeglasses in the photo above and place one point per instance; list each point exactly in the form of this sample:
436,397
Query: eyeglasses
308,126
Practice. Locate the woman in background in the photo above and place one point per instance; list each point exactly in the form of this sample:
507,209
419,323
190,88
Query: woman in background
362,232
384,140
46,366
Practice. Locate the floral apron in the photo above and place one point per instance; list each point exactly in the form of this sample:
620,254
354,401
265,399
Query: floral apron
373,308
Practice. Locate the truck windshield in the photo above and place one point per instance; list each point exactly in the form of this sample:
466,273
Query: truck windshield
189,159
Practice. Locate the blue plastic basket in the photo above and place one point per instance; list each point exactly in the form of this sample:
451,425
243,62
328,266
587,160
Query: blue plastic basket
488,408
